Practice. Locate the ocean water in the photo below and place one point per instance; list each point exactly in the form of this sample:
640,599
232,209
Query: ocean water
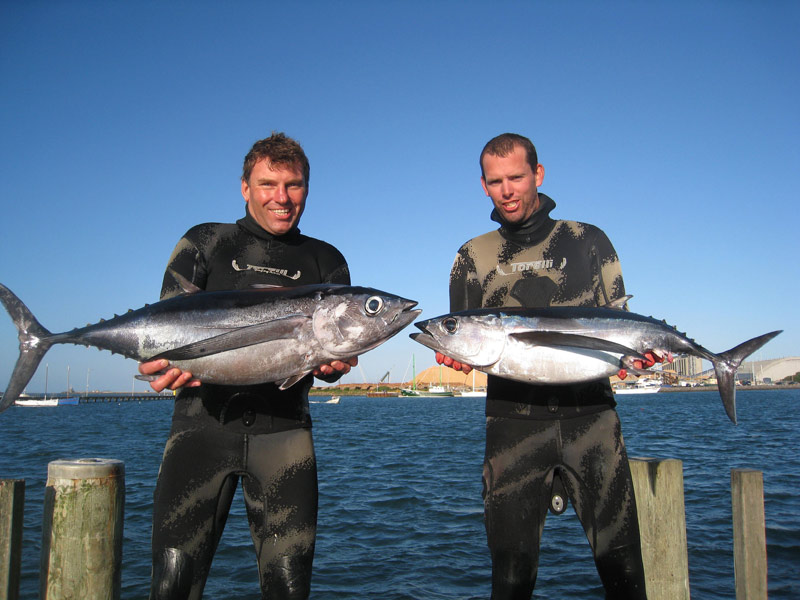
401,516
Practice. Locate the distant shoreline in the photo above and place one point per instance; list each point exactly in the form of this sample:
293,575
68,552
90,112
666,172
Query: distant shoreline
739,388
321,391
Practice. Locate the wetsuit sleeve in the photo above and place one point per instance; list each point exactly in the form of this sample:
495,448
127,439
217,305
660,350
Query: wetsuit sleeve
465,289
607,271
334,267
187,260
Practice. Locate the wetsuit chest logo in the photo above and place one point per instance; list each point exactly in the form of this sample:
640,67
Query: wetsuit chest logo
531,265
270,270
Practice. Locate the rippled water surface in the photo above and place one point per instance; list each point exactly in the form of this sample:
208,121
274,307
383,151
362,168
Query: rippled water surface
400,492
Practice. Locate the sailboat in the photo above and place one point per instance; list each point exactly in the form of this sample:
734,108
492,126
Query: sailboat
475,392
412,391
39,401
438,390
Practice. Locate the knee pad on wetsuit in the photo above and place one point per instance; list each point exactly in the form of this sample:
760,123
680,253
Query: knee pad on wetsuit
172,575
622,573
513,575
289,578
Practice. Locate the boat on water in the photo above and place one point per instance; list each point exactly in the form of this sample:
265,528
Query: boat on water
474,392
437,391
36,402
643,386
412,391
331,400
46,401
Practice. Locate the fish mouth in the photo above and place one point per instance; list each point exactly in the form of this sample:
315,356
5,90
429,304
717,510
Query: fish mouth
424,338
405,316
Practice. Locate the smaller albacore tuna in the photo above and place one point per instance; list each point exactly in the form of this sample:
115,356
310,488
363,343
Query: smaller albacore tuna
571,344
230,337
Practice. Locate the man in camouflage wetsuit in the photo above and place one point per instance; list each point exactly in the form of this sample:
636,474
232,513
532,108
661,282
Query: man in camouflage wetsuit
540,434
257,433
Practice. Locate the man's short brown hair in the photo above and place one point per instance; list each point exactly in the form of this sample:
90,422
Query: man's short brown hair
279,149
504,144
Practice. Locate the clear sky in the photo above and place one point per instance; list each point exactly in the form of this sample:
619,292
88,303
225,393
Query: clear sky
673,126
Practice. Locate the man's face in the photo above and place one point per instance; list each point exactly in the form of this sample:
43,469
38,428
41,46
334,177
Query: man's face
511,184
276,195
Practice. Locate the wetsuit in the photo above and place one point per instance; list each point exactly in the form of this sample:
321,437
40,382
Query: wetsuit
257,433
536,432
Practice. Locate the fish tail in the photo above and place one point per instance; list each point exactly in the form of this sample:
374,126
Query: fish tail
34,342
726,365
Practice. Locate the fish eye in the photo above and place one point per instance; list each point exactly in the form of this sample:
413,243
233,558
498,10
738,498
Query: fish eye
450,325
373,305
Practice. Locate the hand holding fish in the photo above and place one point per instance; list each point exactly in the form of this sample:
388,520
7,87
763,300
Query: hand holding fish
651,357
453,364
336,367
172,378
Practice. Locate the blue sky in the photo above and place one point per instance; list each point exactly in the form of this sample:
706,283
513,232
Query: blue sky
673,126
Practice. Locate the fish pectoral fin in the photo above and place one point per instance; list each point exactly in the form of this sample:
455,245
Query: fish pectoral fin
277,329
619,303
289,382
187,286
573,340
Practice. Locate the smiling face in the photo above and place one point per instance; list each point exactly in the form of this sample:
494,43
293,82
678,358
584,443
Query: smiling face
512,184
275,195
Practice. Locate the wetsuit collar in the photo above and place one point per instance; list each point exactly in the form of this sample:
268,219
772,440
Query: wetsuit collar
248,223
535,229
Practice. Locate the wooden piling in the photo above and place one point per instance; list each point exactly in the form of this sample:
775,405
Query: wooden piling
749,535
658,485
12,503
82,530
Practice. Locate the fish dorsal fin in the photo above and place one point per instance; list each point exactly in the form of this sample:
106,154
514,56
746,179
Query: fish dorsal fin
290,381
187,286
619,303
572,340
238,338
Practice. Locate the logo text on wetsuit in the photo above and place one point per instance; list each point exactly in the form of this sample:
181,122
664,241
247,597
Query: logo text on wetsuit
532,265
270,270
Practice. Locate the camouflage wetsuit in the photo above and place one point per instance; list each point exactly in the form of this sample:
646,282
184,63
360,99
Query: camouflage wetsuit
534,431
258,433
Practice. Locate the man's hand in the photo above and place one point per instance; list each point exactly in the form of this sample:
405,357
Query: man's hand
453,364
651,357
341,366
173,378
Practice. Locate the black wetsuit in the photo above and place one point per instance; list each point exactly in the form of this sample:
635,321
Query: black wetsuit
536,431
259,433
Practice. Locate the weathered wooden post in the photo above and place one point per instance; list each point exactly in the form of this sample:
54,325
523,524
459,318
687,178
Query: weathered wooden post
749,535
82,530
658,485
12,503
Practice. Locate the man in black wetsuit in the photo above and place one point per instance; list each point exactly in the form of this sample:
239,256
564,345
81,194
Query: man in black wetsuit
257,433
540,434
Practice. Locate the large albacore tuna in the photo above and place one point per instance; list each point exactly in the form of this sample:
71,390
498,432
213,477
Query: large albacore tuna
570,344
229,337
